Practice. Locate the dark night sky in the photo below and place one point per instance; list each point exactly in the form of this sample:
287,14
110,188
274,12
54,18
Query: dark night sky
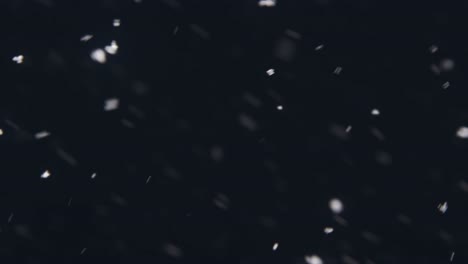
230,173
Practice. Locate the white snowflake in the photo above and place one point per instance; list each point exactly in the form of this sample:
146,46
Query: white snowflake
18,59
116,23
45,174
335,205
86,38
328,230
111,104
314,259
443,207
267,3
275,246
99,56
112,48
462,132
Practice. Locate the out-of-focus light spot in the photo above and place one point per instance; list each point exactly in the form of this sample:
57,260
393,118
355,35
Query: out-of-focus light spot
270,72
443,207
462,132
348,128
267,3
275,246
319,47
83,251
148,179
433,49
93,175
328,230
112,48
116,23
335,205
86,38
45,174
337,70
375,112
279,107
446,85
18,59
99,56
41,134
111,104
447,65
1,132
452,256
314,259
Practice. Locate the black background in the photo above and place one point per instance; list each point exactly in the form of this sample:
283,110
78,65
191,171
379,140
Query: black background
186,74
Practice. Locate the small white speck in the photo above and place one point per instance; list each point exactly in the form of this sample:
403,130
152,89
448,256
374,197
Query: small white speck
112,48
348,128
83,251
337,70
149,178
176,29
41,134
18,59
433,49
99,56
111,104
116,23
86,38
319,47
446,85
328,230
1,132
375,112
45,174
93,176
462,132
10,218
275,246
70,201
443,207
451,256
267,3
279,107
314,259
335,205
270,72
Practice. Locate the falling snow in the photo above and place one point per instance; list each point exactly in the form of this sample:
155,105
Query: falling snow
267,3
336,205
462,132
270,72
375,112
116,23
45,174
275,246
112,48
99,56
313,259
111,104
86,38
443,207
18,59
42,134
446,85
328,230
